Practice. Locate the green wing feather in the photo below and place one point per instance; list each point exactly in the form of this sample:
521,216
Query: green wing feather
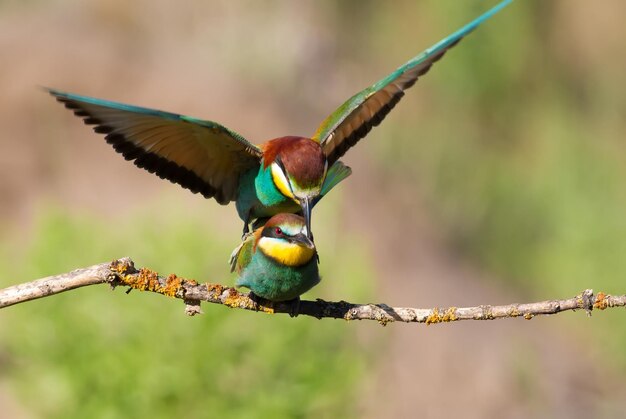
242,255
335,175
202,156
356,117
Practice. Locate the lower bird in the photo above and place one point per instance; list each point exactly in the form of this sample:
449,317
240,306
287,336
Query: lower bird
277,262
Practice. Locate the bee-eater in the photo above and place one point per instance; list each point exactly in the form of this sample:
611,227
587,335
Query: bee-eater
277,262
286,174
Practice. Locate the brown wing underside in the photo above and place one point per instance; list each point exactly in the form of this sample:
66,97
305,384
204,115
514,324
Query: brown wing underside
375,106
201,156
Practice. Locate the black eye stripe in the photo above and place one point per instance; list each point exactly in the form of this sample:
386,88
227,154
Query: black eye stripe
271,232
281,165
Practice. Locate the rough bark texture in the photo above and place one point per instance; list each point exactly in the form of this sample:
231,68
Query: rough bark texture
123,273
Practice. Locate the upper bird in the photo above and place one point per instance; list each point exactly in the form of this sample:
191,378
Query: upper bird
287,174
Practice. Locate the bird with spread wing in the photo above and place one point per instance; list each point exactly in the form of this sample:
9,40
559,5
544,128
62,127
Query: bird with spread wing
284,175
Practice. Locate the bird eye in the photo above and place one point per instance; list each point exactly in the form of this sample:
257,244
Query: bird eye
278,231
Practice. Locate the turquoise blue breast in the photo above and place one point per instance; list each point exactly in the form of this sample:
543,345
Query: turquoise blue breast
258,196
275,282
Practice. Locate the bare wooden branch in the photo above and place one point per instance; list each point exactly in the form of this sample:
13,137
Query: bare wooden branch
123,273
96,274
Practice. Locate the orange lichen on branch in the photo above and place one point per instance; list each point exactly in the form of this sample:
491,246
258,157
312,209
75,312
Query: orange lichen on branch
122,266
144,280
449,315
124,272
514,312
381,317
434,317
484,312
602,301
148,280
172,286
235,299
444,316
214,290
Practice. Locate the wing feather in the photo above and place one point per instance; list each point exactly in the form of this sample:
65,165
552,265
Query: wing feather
202,156
358,115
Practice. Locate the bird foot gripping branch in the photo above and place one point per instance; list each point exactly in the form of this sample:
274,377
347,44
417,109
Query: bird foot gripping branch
272,181
124,272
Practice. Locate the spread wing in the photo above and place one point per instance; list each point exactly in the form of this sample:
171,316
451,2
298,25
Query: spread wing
356,117
201,156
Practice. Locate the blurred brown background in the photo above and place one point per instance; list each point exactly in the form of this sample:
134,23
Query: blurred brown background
498,178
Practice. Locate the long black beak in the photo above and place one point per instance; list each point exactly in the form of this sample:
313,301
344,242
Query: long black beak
305,203
302,238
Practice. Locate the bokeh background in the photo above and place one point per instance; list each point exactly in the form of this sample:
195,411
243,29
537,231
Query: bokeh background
499,178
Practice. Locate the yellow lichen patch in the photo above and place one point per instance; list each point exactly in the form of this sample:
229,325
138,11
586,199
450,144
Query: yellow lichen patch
251,305
601,301
449,315
528,316
383,320
233,298
172,286
434,317
148,280
350,314
214,290
514,312
121,267
144,280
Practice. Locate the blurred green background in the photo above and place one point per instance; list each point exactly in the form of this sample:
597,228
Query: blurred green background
498,178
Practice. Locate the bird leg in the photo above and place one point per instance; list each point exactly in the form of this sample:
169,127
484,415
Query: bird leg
259,301
259,222
295,307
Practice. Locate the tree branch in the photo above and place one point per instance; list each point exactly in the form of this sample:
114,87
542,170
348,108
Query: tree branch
123,273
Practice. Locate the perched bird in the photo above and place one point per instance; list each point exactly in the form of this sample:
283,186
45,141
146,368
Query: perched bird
286,174
277,262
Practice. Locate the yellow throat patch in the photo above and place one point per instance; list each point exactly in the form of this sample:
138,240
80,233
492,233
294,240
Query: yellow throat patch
285,253
280,180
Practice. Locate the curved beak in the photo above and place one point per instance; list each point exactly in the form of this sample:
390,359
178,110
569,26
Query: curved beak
303,239
305,203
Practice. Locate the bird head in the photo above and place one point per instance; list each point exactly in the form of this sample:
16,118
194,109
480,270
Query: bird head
298,167
285,239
